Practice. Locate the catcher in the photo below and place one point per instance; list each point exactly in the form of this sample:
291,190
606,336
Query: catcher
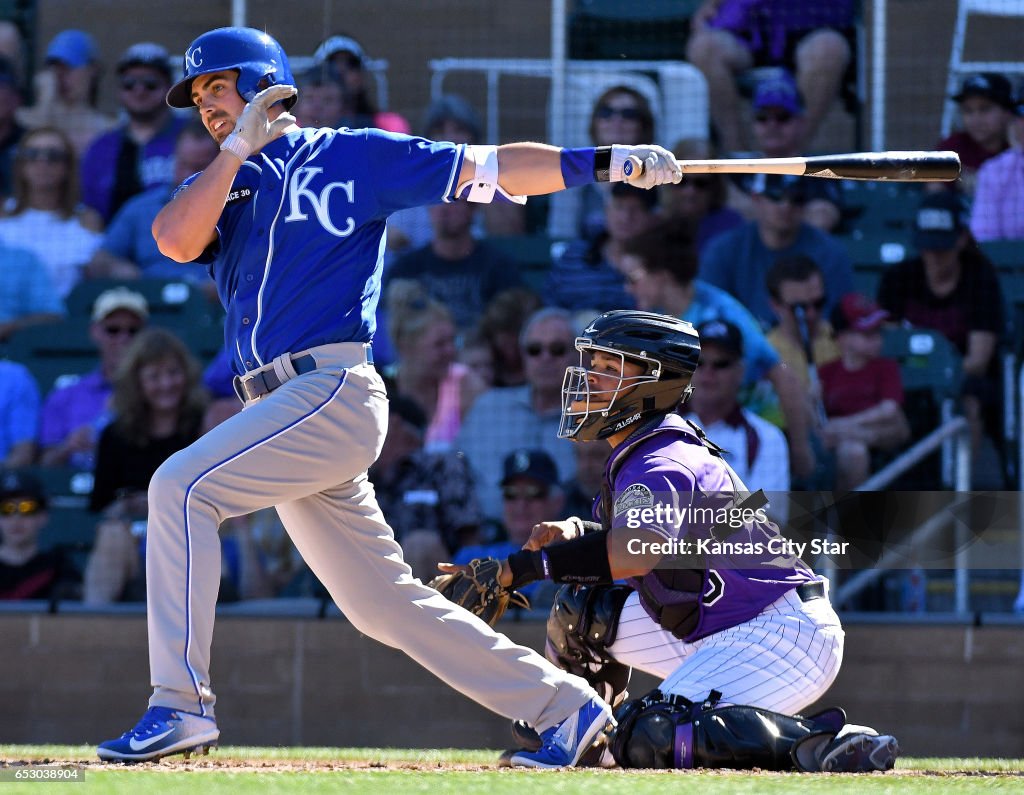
741,647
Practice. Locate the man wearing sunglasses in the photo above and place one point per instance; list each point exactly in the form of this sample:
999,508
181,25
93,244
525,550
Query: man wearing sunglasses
738,261
139,153
75,413
26,572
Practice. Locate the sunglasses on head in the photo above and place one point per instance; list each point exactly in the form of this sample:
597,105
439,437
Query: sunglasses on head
115,330
25,507
148,83
524,492
555,349
817,305
43,154
777,118
629,114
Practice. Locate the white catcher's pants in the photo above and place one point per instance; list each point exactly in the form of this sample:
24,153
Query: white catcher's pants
783,659
305,448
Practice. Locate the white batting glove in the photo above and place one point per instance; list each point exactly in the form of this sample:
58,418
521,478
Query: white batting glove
659,166
254,130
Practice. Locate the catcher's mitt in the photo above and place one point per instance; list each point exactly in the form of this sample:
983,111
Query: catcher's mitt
477,589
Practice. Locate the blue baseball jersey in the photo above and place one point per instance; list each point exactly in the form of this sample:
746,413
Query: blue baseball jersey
299,248
669,466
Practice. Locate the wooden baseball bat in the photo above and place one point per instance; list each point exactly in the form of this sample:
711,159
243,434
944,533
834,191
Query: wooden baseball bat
891,166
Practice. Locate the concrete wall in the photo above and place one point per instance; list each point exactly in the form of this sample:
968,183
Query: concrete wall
942,690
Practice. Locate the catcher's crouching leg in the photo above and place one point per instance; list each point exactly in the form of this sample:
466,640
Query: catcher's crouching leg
581,626
659,731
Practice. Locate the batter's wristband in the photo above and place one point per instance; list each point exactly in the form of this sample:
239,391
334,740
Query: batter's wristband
578,166
237,145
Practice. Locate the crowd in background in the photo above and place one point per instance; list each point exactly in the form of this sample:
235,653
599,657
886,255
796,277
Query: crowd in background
792,381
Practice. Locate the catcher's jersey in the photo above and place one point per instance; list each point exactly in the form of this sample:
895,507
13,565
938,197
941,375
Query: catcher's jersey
669,465
299,246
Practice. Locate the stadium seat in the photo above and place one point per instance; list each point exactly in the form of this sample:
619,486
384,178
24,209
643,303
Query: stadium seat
71,524
652,30
168,298
55,353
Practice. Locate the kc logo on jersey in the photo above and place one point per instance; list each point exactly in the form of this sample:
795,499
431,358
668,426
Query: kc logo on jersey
298,189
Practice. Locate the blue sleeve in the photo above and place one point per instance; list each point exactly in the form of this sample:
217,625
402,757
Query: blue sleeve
24,414
714,264
119,238
408,171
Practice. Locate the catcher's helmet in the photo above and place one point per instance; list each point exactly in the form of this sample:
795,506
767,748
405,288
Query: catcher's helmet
667,348
255,55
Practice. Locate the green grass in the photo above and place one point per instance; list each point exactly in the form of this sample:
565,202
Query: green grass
383,770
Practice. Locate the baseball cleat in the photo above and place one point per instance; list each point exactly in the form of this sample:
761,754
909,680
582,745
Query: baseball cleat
161,732
564,744
860,752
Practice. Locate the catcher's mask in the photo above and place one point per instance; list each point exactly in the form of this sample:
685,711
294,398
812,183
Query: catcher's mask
597,405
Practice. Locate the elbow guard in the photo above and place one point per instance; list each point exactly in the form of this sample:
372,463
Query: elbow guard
484,187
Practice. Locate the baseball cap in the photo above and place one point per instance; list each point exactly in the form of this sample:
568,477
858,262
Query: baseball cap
534,464
778,91
778,186
721,333
857,312
119,298
145,53
72,47
990,85
335,44
940,219
15,483
452,107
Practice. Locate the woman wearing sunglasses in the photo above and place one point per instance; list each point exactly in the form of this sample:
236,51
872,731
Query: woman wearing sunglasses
44,215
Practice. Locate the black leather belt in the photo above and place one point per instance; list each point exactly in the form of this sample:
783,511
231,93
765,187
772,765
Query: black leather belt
811,590
266,381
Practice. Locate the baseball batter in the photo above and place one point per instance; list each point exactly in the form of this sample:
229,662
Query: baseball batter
291,223
734,620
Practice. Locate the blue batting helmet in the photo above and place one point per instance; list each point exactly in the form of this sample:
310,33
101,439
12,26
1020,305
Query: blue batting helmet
255,55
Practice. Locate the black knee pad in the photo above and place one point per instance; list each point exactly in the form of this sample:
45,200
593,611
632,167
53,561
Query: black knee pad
581,626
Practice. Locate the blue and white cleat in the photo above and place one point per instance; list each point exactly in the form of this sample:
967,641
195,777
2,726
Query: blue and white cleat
564,744
161,732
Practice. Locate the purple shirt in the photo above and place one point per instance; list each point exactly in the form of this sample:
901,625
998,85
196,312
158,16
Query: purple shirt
668,465
155,165
68,408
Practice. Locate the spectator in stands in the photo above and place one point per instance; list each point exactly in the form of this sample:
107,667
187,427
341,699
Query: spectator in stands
423,332
699,200
730,36
796,290
139,154
738,260
754,448
10,130
67,89
427,497
45,216
530,494
158,405
998,211
346,58
952,287
662,268
590,273
27,294
19,415
581,490
12,49
778,127
862,392
128,250
620,115
461,272
986,108
26,572
74,414
321,98
476,354
506,419
502,327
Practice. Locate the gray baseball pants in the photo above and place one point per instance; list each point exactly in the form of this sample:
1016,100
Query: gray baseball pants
305,448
